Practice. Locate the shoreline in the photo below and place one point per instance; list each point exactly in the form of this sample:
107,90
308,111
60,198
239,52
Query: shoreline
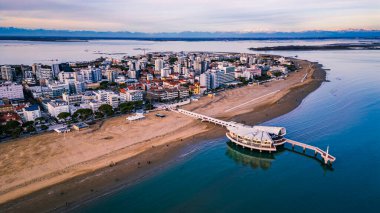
74,191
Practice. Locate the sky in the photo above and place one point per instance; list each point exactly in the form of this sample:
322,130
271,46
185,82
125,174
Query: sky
191,15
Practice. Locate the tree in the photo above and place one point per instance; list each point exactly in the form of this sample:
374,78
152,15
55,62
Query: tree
243,80
98,115
126,107
172,60
30,129
11,125
103,85
28,123
44,127
277,74
2,129
16,132
83,114
148,105
106,109
40,120
63,115
138,104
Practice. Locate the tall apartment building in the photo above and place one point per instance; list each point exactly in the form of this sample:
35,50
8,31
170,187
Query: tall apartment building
55,70
7,73
165,72
111,75
158,64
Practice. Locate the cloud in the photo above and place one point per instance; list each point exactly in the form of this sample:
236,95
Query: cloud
194,15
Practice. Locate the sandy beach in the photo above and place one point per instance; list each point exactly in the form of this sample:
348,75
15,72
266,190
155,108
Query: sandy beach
57,171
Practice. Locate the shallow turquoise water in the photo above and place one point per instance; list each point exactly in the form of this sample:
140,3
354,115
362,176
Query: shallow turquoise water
343,114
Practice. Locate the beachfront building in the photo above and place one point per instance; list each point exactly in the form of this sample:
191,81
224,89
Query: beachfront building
134,95
11,91
113,100
57,106
263,138
168,94
94,105
31,112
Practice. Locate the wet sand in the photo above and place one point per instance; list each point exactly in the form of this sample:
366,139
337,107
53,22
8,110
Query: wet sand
147,148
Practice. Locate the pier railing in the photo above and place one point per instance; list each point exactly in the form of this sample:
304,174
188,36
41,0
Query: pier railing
208,118
324,154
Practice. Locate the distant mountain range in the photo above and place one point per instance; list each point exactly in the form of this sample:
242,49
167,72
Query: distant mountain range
43,34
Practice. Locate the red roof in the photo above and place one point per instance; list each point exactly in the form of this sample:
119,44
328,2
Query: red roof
5,117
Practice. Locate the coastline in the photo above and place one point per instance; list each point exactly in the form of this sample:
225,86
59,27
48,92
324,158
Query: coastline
68,193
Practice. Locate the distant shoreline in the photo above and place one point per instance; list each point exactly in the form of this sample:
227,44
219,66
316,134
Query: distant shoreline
86,39
349,46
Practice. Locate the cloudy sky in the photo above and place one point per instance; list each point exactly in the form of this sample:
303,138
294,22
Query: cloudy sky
191,15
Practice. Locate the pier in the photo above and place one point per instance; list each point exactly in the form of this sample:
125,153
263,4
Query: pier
262,138
324,154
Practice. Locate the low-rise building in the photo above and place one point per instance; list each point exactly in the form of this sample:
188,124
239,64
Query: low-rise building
31,112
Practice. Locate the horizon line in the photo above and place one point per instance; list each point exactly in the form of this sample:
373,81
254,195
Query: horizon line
192,31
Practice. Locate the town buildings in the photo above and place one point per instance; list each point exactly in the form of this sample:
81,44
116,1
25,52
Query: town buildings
153,77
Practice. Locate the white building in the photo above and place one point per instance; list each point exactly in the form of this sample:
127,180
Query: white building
113,100
158,64
57,106
11,91
132,74
165,72
108,97
94,105
44,74
134,95
57,89
204,81
72,99
178,68
7,73
62,76
111,75
31,112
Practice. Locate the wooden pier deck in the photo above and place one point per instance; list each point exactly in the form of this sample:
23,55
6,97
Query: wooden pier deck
324,154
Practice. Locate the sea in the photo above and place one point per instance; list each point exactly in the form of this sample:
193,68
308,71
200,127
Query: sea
216,176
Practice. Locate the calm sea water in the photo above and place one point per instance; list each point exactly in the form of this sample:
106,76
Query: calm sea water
29,52
343,114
